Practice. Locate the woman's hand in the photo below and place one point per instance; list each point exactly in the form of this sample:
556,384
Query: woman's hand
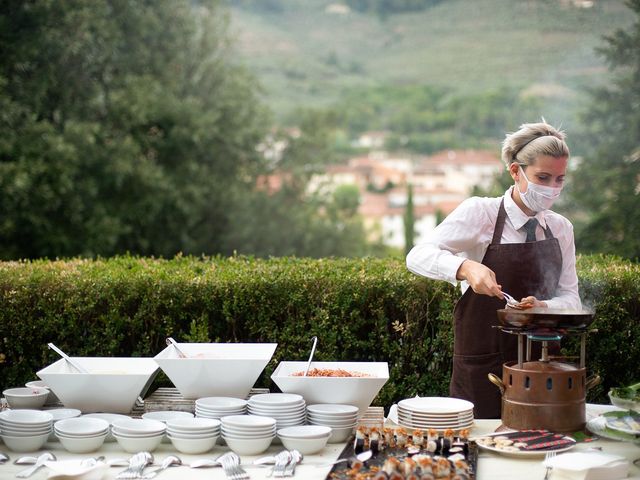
480,278
533,302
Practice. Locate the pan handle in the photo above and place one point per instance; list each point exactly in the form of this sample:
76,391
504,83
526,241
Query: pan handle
592,381
493,378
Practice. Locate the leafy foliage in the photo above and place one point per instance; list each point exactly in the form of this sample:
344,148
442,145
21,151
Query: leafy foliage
122,124
607,183
361,310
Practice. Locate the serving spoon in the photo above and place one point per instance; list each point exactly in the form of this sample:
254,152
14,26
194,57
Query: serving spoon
172,342
73,363
313,350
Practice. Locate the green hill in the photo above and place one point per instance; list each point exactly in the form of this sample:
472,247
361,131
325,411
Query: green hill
305,56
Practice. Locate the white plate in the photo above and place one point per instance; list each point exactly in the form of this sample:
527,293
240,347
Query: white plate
621,426
436,405
598,426
526,453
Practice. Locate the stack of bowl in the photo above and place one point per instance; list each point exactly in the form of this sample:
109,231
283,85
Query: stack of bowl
307,439
81,435
218,407
52,398
138,434
61,414
25,430
248,434
288,409
109,417
341,418
165,415
193,435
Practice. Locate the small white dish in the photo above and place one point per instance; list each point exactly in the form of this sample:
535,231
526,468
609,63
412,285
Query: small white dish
26,417
134,445
333,409
81,426
81,444
25,444
25,397
305,431
77,470
248,446
248,421
52,398
306,446
166,415
137,426
193,446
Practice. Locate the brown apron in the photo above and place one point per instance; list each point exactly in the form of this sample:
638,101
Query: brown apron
522,269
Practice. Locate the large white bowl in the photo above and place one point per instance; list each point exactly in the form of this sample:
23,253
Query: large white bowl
112,384
26,397
215,369
358,391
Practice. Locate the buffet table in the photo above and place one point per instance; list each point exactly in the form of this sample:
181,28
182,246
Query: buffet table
490,465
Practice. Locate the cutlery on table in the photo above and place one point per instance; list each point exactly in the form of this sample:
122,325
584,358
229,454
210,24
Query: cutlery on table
137,464
548,456
290,468
281,459
41,460
4,458
170,461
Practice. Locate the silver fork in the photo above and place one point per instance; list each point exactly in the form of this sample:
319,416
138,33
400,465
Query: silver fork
137,464
547,458
290,469
281,460
238,473
227,461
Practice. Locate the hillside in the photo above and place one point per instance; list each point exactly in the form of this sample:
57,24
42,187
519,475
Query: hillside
306,56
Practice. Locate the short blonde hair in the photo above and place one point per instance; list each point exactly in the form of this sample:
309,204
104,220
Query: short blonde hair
531,141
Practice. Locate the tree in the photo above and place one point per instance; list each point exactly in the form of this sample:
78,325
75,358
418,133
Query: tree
124,125
607,183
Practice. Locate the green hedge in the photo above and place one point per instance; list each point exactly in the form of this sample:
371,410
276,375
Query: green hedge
361,310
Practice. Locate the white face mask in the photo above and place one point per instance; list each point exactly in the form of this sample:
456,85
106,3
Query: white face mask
538,197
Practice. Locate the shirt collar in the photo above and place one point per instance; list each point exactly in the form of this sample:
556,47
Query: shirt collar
518,217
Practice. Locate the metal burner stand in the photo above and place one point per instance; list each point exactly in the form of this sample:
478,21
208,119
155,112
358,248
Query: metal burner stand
544,394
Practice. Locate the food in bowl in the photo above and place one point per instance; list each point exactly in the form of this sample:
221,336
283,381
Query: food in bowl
626,397
329,372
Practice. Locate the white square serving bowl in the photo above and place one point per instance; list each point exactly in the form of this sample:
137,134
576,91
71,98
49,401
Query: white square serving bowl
112,385
215,369
358,391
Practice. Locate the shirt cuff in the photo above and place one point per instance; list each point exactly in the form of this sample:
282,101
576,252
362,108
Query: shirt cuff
448,267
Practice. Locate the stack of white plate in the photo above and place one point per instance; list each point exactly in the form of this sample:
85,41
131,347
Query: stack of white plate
193,435
439,413
25,430
289,409
248,434
218,407
138,434
82,434
341,418
166,415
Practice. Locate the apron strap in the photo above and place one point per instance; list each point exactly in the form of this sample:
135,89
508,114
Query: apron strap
502,216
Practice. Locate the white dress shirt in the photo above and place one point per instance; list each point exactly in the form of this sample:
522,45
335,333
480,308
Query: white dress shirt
467,232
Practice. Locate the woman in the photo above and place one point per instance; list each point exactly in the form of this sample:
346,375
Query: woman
512,243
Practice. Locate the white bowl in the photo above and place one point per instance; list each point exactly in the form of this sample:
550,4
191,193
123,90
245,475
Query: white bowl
82,444
193,424
193,446
248,421
333,410
32,418
109,417
13,432
305,431
51,398
340,434
166,415
248,434
25,444
112,385
276,400
134,445
215,369
248,446
81,426
220,404
26,397
358,391
62,413
306,446
139,426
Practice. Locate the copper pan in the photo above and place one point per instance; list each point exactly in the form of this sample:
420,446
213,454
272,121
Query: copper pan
545,317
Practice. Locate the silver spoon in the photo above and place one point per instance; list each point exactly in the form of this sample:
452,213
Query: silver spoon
25,461
170,461
171,341
290,468
3,457
205,463
313,350
42,459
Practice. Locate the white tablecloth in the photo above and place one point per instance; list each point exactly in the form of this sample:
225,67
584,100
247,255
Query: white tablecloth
491,466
